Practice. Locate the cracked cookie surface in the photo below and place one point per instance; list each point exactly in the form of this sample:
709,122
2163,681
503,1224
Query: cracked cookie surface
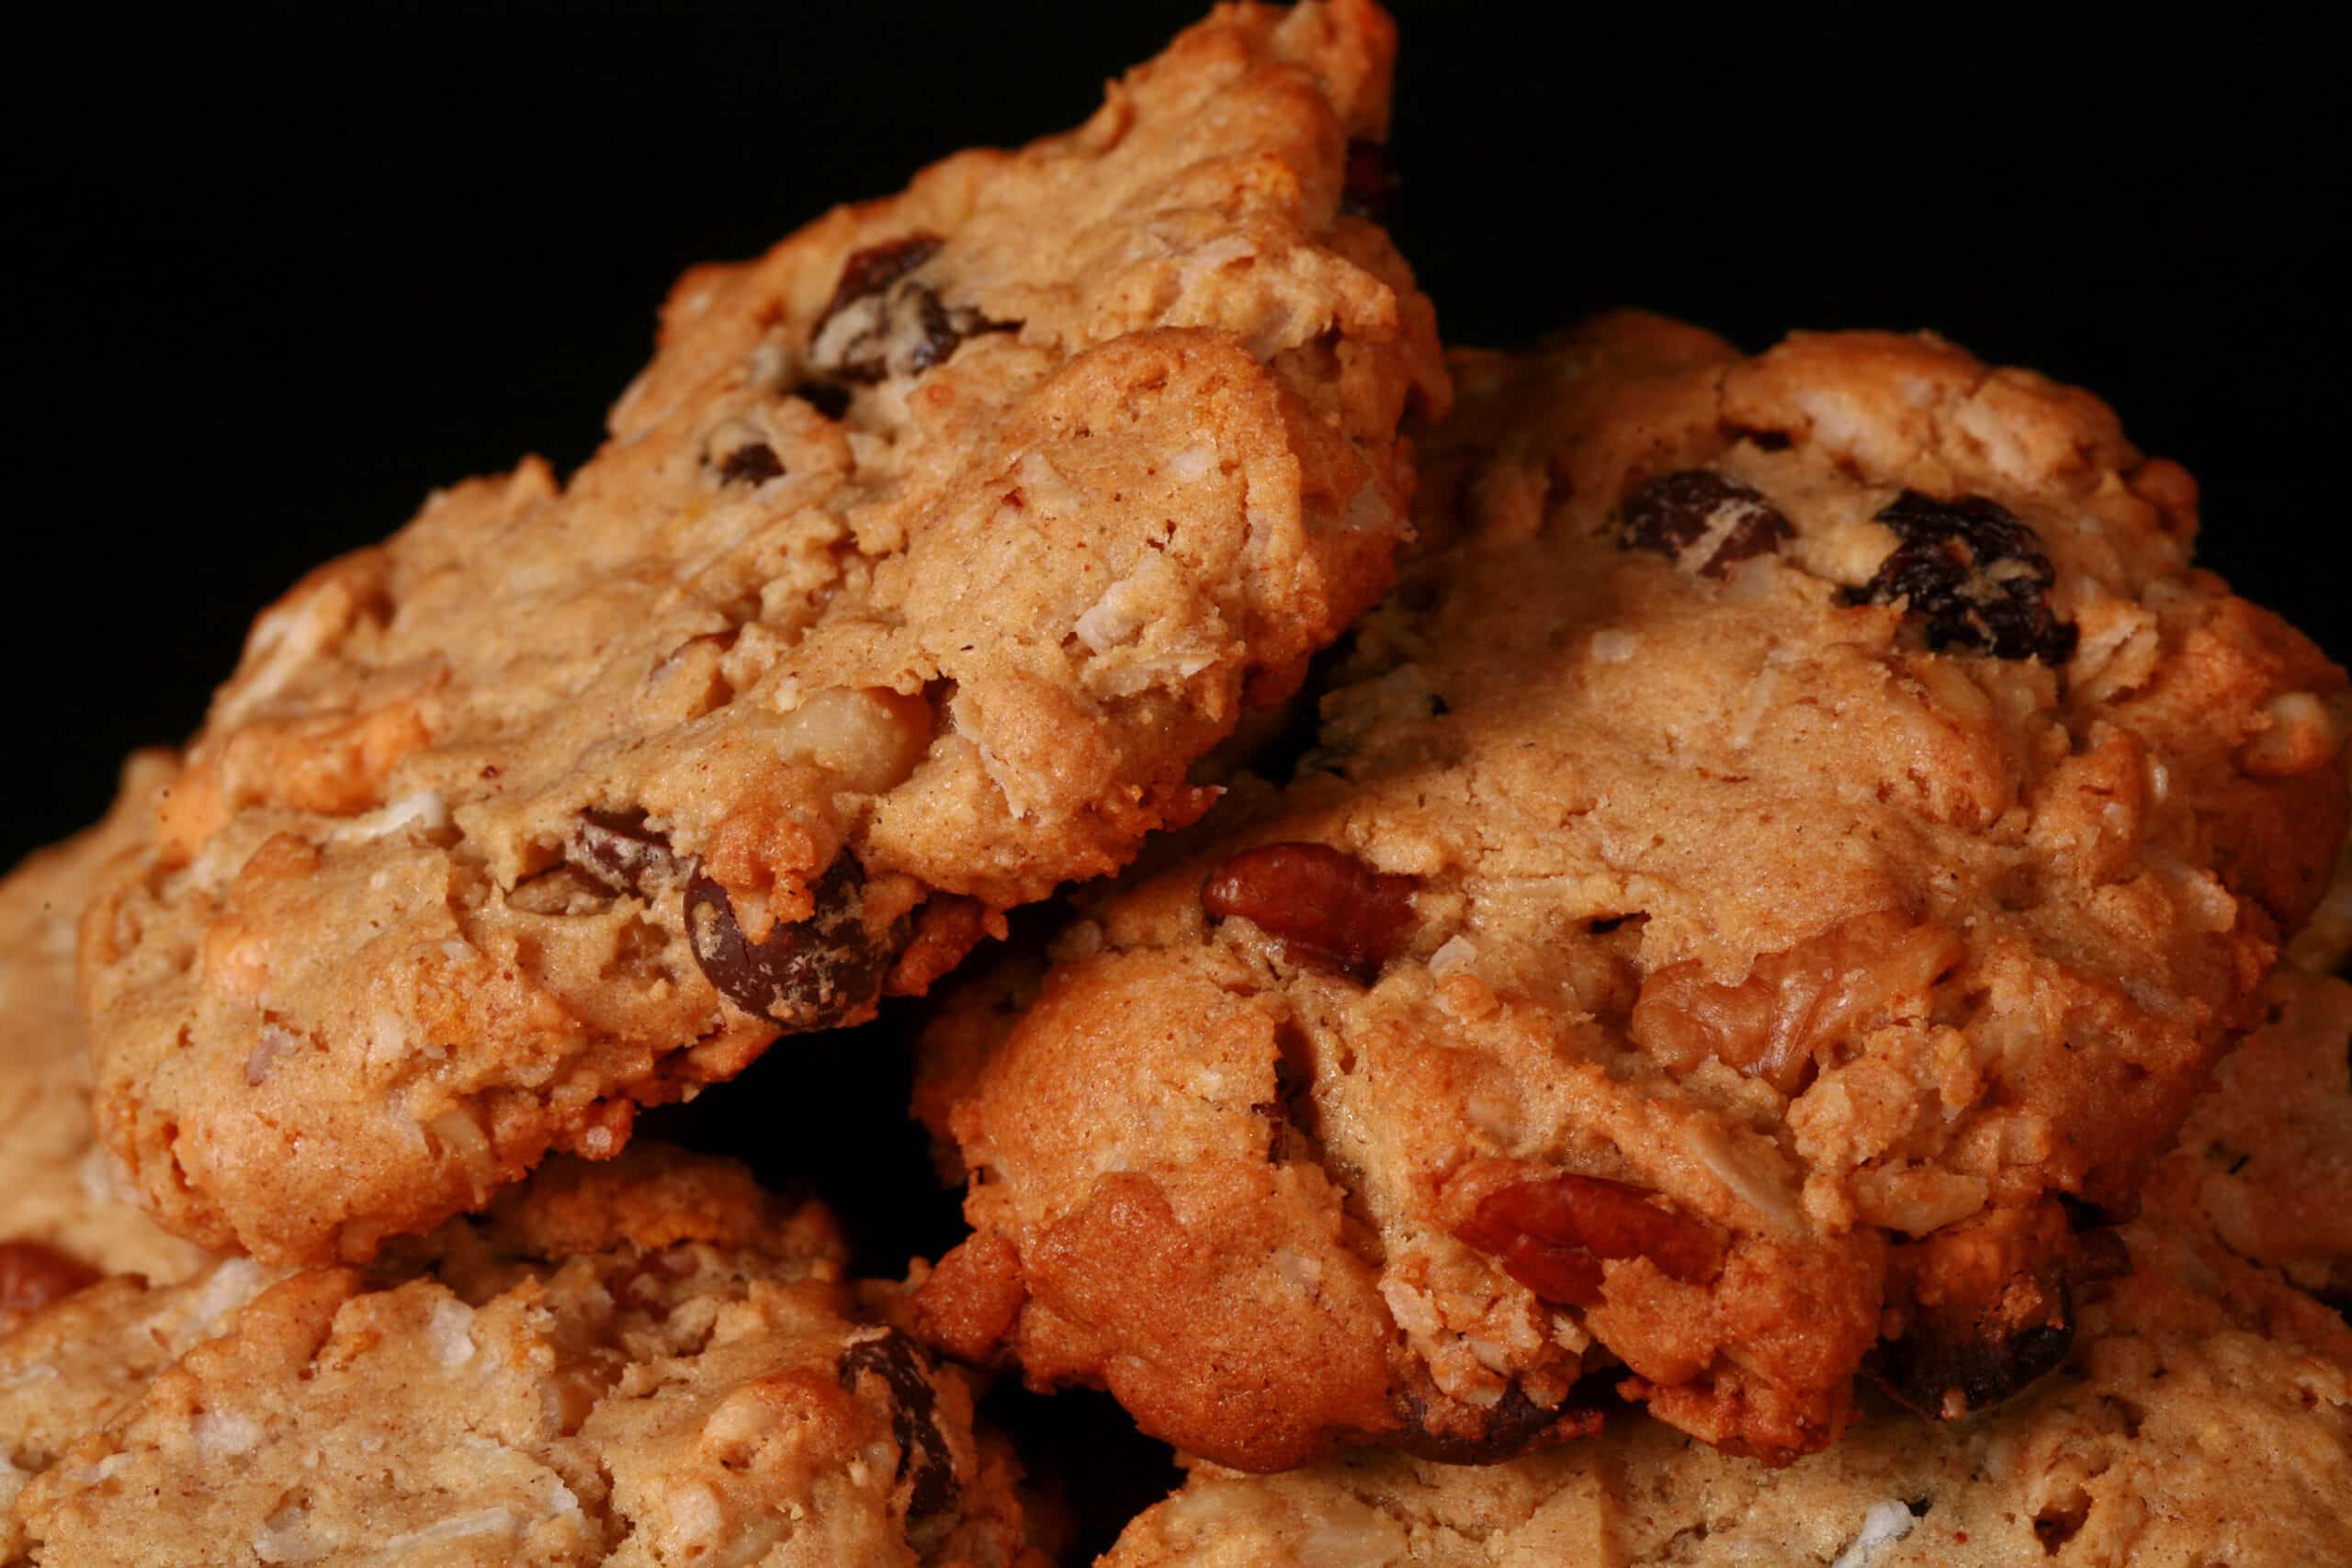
645,1363
1783,868
927,554
2204,1415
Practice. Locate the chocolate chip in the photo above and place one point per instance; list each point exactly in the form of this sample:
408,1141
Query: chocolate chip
754,462
619,851
883,321
809,974
1701,521
925,1458
1370,189
828,398
1325,907
1973,574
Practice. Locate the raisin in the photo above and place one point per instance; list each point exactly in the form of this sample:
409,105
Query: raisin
1553,1232
828,398
883,321
808,975
754,462
1325,907
33,1275
1368,189
616,851
926,1460
1701,521
876,267
1974,574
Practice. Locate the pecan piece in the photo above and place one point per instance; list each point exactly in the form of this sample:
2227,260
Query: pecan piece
926,1460
32,1275
1553,1232
1795,1004
1701,521
811,974
1974,574
1326,909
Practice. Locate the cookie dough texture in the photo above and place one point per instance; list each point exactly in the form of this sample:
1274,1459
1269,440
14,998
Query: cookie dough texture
926,554
1811,817
2204,1417
644,1363
58,1191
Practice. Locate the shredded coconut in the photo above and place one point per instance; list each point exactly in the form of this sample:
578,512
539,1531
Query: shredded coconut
458,1527
450,1331
1612,645
1885,1524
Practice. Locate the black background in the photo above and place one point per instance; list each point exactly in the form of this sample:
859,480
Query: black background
280,273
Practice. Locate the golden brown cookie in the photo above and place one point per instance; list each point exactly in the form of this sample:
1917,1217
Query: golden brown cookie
64,1218
2203,1415
928,553
1788,862
639,1363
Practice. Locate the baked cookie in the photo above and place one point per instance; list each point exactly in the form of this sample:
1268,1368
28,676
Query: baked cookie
63,1219
70,1368
929,551
2265,1162
649,1362
1797,850
2203,1414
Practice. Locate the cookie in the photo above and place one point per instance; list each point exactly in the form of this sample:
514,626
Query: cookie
635,1363
1792,857
2265,1162
66,1369
927,554
2204,1415
64,1218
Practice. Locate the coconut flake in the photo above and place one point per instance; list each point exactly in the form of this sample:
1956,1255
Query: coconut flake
1885,1524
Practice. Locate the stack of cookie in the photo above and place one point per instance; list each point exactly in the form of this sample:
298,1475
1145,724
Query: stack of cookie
1661,956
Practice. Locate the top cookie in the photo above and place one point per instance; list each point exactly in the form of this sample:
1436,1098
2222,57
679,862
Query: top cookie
62,1217
926,555
1812,819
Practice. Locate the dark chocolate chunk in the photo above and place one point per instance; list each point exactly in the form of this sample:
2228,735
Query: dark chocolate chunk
619,851
1973,574
1950,1364
925,1458
808,975
1505,1430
